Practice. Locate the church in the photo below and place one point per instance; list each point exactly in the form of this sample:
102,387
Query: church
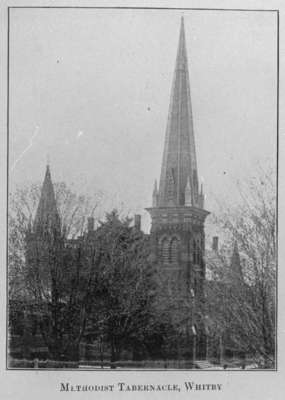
177,212
177,235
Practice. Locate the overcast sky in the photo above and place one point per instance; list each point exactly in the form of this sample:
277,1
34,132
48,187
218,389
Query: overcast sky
91,88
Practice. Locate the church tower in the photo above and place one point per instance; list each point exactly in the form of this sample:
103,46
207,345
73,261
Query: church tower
44,241
177,212
47,216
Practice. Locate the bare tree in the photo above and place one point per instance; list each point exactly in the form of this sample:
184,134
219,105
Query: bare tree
73,210
244,310
44,277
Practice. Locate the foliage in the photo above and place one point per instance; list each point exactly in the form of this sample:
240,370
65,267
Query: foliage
121,297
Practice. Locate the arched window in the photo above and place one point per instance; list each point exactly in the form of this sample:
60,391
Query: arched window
174,250
169,250
164,250
197,251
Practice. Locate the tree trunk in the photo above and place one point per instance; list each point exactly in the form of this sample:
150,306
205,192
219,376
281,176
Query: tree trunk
115,352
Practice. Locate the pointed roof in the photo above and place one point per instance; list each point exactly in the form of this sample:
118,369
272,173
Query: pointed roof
235,265
179,157
154,195
155,188
47,216
188,194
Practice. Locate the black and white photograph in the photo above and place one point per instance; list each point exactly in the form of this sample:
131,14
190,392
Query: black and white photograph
142,167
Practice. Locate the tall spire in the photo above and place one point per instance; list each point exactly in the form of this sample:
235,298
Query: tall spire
179,157
47,216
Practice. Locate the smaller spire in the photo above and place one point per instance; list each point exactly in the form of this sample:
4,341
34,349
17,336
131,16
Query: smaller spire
155,187
235,266
155,195
201,197
47,216
188,194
